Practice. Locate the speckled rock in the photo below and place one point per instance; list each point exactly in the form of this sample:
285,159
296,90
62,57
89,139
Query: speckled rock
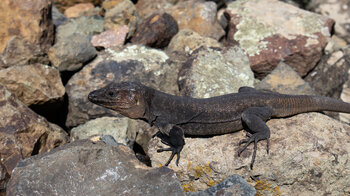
283,79
186,41
78,10
34,84
199,16
330,73
212,72
23,133
132,62
146,7
156,31
122,13
334,44
110,38
20,52
345,96
116,127
337,10
84,26
295,36
87,168
72,52
64,4
308,153
28,19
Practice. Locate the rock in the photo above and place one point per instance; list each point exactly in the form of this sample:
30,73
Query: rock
122,13
338,11
78,9
87,168
83,26
297,37
190,15
308,153
213,72
28,19
64,4
186,41
116,127
334,44
283,79
57,17
147,8
23,133
156,31
330,73
70,53
132,62
20,52
33,84
143,132
345,96
233,185
110,38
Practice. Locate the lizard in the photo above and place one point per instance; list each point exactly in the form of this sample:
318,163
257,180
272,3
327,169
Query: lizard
177,116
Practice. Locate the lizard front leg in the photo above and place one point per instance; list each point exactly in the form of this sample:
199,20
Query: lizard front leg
175,140
254,118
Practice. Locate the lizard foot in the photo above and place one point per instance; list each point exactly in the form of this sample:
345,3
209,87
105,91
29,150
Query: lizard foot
173,152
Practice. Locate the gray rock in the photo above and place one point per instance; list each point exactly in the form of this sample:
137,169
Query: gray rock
116,127
232,185
57,17
71,52
308,153
87,168
133,62
212,72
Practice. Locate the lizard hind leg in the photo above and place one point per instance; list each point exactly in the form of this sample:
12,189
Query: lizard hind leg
254,118
175,141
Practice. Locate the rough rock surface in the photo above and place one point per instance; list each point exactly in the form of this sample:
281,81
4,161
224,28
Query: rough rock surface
187,41
146,7
33,84
57,17
132,62
345,96
295,36
28,19
122,13
337,10
23,133
116,127
283,79
156,30
72,52
87,168
308,153
64,4
110,38
331,73
78,10
198,16
212,72
232,185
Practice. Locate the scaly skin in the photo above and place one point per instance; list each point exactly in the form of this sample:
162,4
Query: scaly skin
176,116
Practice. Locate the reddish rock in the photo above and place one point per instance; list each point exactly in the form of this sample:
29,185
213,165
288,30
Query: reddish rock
156,30
23,133
78,9
298,37
64,4
110,38
28,19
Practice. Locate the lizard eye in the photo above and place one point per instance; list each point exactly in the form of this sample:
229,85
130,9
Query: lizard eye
112,93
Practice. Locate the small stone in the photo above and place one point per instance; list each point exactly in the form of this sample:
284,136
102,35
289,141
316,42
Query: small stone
77,10
57,17
147,8
64,4
110,38
156,31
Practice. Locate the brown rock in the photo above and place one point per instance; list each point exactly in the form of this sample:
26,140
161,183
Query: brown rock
122,13
78,9
110,38
64,4
34,84
308,154
156,31
28,19
298,37
23,133
189,15
20,52
146,7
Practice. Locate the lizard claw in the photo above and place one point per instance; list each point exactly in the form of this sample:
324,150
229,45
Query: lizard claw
173,152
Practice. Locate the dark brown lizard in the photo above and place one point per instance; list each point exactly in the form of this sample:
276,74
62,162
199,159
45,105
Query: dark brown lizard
176,116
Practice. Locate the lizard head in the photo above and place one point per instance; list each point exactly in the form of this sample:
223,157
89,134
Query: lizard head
127,98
